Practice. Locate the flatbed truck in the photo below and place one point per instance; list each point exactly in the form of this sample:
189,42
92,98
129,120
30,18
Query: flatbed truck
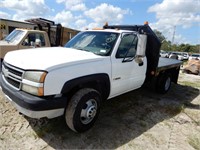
96,65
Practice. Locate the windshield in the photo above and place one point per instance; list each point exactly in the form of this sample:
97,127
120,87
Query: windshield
15,36
100,43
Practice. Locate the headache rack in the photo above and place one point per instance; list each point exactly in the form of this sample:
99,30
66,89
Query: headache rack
53,30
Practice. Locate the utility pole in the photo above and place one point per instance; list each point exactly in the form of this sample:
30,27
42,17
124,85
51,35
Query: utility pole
173,35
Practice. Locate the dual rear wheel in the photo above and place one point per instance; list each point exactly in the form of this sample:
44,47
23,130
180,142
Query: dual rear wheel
163,83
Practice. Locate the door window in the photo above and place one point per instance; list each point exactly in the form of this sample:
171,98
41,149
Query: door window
34,39
127,46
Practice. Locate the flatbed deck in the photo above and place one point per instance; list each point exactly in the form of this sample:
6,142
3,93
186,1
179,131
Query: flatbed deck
167,63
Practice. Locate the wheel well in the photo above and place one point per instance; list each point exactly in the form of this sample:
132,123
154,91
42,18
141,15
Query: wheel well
99,82
161,82
173,73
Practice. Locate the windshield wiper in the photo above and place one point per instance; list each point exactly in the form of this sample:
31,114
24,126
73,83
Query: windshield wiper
80,48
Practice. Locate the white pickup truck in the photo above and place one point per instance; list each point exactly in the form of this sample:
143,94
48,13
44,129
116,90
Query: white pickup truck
94,66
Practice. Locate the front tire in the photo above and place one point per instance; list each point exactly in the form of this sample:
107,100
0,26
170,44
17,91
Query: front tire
83,109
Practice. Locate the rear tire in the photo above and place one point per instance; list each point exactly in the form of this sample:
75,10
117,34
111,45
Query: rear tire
163,83
83,109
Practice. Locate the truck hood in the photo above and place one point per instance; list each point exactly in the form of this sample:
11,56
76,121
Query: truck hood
49,58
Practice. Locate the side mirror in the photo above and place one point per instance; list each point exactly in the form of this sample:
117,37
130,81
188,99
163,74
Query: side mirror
141,47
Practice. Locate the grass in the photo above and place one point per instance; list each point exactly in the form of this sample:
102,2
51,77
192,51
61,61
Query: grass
192,84
50,127
173,110
195,142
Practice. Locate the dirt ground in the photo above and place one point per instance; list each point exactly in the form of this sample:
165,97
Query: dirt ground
138,120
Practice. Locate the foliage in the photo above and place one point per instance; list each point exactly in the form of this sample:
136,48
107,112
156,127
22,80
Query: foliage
168,46
159,35
194,142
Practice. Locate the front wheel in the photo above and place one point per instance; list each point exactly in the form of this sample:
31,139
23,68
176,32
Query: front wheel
83,110
163,83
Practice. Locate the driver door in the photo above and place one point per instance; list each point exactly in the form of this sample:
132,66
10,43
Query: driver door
126,73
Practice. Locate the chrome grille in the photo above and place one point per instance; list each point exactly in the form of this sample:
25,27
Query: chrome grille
12,75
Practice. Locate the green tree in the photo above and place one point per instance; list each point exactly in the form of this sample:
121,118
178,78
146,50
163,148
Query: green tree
175,48
160,35
168,46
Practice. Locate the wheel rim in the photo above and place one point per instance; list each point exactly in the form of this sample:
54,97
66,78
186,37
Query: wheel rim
167,83
89,111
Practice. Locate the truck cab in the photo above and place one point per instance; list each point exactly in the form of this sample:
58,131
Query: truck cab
23,39
122,49
44,33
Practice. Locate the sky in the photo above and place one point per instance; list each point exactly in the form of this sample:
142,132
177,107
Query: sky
180,18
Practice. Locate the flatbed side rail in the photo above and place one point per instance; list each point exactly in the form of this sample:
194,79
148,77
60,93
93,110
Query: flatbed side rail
171,66
166,63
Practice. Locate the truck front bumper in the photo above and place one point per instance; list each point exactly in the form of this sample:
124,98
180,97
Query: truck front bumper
33,106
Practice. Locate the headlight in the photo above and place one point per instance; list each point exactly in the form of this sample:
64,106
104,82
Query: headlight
35,76
33,82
